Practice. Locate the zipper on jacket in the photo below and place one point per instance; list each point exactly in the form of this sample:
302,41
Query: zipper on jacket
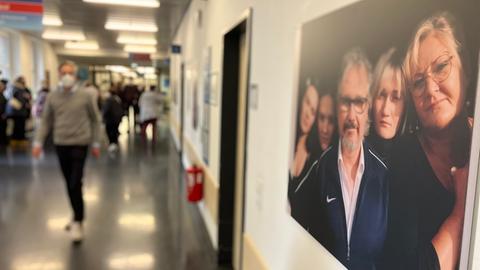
348,252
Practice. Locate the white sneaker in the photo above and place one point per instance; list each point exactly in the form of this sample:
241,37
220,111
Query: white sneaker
112,148
76,232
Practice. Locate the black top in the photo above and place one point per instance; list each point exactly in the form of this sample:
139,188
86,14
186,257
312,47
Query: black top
23,95
419,204
383,147
113,110
327,220
3,106
297,195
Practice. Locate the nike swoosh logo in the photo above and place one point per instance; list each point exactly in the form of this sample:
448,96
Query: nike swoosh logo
329,200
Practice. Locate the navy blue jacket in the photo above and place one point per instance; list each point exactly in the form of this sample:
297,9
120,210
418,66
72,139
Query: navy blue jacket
327,222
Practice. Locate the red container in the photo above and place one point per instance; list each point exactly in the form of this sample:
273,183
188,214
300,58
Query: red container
194,177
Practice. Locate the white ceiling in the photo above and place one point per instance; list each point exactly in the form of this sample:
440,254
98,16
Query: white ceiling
91,18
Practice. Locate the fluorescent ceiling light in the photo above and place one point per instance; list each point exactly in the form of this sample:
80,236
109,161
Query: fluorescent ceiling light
140,49
135,3
116,68
146,70
131,25
63,34
82,45
51,20
150,76
136,39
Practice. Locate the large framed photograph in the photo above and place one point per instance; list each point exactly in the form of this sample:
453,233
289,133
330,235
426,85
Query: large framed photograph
381,145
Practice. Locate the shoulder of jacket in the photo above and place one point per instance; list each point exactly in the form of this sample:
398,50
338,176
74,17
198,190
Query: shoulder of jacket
376,158
310,170
327,151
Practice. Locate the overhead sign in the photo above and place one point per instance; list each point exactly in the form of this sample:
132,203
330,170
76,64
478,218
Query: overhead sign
140,57
22,14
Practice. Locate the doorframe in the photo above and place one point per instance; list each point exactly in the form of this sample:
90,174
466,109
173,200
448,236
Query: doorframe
182,108
225,257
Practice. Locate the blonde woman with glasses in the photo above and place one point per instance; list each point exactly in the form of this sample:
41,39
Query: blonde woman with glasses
429,179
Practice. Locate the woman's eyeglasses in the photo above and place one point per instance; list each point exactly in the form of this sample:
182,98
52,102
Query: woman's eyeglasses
439,70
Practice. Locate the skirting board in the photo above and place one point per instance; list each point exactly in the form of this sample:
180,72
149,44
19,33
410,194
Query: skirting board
252,258
210,200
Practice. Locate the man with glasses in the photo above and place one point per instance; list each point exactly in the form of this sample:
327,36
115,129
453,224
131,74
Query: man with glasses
349,191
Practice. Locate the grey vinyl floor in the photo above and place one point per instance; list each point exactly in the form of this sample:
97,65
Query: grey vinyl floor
136,214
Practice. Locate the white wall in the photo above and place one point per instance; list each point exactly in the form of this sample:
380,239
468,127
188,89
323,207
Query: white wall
280,241
50,61
22,58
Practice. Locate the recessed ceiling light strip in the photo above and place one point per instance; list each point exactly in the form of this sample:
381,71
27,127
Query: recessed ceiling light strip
133,3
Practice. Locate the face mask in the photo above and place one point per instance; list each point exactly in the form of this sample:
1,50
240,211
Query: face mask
67,81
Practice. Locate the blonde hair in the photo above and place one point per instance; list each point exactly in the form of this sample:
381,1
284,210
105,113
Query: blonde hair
441,25
389,59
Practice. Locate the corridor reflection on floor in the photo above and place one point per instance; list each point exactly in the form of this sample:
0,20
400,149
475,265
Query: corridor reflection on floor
136,214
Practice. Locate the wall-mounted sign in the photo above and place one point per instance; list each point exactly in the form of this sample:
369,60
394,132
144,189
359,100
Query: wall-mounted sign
176,49
21,14
207,63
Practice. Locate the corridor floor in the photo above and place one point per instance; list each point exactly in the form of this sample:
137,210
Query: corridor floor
136,214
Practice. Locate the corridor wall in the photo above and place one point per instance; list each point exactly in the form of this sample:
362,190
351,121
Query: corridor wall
275,240
29,56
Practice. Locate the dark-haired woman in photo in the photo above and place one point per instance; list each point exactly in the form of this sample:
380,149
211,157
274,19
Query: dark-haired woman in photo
388,106
325,121
429,171
303,159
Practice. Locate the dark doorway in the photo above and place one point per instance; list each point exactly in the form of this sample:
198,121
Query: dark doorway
234,121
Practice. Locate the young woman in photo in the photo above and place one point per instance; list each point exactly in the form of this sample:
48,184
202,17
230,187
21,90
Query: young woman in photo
303,158
325,121
388,106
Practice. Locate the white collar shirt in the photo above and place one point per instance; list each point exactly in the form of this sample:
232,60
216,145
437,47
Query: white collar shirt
350,198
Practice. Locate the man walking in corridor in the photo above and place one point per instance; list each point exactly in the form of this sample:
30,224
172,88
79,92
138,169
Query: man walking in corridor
75,120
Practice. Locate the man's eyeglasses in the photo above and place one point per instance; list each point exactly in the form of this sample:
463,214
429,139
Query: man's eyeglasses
359,104
439,70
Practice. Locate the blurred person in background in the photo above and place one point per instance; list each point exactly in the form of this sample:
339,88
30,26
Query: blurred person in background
150,105
82,76
40,102
76,123
112,116
3,114
130,98
19,110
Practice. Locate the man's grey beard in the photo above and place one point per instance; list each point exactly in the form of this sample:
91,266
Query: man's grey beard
349,145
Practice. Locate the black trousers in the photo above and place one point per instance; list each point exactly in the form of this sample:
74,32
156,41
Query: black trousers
19,127
72,160
112,132
3,132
